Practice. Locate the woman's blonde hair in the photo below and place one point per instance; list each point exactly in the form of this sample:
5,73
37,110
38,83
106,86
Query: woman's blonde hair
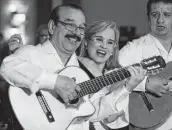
94,28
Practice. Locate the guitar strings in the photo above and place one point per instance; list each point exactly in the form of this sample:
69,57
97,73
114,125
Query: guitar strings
89,86
102,78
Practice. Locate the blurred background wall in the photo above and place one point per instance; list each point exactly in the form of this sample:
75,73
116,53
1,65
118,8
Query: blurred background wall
24,16
43,8
123,12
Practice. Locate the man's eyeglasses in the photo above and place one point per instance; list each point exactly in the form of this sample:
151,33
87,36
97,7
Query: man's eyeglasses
101,40
73,27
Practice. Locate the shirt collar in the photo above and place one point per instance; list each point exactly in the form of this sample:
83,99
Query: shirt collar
158,43
73,60
48,47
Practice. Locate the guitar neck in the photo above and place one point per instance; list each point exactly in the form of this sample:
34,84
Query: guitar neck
94,85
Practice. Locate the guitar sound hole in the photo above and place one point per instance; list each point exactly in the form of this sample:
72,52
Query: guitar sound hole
75,101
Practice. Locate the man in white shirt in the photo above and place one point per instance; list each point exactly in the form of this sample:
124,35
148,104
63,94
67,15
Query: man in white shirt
157,42
66,29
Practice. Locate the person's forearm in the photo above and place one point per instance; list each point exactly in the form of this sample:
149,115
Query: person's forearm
22,73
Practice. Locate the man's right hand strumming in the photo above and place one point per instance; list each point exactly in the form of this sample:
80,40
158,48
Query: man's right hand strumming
157,85
66,88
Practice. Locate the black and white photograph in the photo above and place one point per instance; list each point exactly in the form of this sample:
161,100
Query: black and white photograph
85,64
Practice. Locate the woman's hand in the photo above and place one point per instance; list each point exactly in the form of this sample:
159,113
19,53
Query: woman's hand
15,42
137,75
157,85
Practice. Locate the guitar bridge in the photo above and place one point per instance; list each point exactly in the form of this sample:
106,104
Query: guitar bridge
45,106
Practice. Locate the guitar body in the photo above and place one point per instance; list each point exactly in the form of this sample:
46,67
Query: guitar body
139,114
30,113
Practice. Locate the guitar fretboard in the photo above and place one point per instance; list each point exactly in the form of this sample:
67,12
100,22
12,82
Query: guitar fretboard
94,85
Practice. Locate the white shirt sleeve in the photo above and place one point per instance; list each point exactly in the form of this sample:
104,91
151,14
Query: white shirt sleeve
130,54
19,70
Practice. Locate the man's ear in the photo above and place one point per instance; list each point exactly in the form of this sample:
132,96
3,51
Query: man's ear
51,26
149,24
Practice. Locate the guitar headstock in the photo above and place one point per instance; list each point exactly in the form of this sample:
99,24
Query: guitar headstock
153,64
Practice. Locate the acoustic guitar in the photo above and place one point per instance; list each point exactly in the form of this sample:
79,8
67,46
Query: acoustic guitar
147,110
44,111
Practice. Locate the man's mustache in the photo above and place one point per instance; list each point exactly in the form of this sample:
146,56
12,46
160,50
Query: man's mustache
78,38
